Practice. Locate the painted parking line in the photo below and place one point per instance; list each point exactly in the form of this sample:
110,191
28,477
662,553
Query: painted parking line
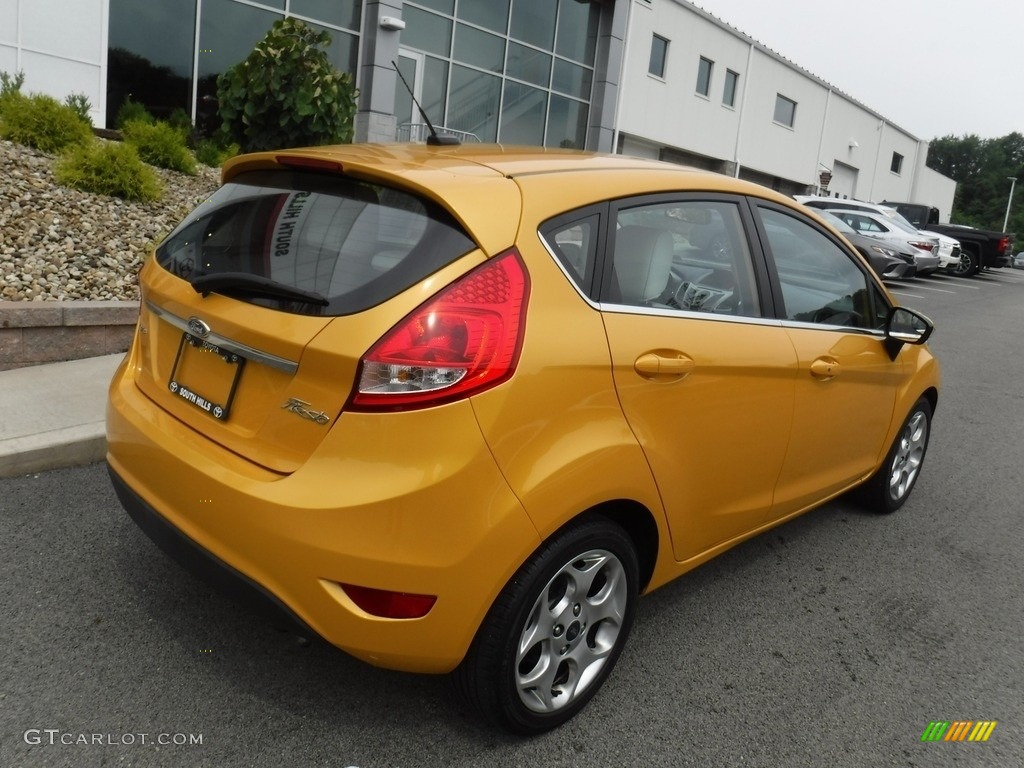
960,282
905,293
926,288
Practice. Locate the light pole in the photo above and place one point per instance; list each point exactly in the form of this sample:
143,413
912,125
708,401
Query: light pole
1006,219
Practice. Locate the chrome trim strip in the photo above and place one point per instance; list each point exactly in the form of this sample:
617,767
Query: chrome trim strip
877,333
628,309
264,358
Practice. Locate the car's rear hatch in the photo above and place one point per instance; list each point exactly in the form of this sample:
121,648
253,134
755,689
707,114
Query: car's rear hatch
257,309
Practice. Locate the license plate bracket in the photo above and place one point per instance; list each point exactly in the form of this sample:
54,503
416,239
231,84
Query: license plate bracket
197,359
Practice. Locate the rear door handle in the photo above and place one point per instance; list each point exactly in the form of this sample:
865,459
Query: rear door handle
663,365
825,368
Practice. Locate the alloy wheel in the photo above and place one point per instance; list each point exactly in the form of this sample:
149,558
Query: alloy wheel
907,460
571,631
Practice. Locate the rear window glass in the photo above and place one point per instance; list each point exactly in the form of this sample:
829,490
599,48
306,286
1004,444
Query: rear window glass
273,237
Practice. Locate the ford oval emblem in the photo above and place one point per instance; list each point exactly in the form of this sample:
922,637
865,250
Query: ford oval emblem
198,328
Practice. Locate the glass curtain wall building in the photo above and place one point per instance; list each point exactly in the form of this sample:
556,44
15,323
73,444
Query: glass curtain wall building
514,71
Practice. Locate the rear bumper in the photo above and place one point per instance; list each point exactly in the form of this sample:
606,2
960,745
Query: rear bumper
926,262
949,258
204,564
406,502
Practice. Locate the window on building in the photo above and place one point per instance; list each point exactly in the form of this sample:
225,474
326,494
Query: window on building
785,111
150,57
897,163
729,91
704,76
153,57
342,13
659,53
517,72
533,22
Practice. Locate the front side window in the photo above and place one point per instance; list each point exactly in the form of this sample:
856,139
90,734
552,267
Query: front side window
311,243
704,69
659,54
729,91
687,255
785,111
821,283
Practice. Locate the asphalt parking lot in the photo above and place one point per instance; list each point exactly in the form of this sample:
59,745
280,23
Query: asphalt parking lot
833,640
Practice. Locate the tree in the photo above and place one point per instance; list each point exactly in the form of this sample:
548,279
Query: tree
982,169
287,93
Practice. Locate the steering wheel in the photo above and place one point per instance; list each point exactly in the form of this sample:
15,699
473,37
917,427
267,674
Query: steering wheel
693,297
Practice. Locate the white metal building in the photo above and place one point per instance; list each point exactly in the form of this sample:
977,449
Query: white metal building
696,90
657,78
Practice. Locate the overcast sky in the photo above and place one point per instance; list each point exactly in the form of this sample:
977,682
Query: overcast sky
931,67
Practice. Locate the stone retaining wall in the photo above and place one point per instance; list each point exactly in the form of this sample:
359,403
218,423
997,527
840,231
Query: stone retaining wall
37,332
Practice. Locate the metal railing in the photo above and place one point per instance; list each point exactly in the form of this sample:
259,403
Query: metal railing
419,132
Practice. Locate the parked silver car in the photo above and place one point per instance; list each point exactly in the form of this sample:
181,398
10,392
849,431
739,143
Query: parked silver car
887,262
885,230
948,250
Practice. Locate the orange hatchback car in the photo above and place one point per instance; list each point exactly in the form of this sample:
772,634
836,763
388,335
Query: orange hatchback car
454,408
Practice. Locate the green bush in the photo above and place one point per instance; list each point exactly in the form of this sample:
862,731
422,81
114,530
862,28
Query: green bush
81,105
287,93
108,168
212,153
132,112
9,84
10,88
42,122
161,145
180,121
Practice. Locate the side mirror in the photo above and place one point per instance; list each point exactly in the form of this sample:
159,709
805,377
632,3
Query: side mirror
905,326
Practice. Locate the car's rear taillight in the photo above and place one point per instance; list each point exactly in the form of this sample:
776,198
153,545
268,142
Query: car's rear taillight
1004,245
464,340
924,246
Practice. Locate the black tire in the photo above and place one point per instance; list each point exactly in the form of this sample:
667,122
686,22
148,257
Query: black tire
966,267
976,261
563,636
890,487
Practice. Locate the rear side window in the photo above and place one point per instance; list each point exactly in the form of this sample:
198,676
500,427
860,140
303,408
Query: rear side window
349,243
574,243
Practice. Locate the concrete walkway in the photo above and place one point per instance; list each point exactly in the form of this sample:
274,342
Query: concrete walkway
53,415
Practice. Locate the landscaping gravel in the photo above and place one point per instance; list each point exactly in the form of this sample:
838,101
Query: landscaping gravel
57,243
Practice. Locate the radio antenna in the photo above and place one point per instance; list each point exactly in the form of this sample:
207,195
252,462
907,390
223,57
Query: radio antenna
433,139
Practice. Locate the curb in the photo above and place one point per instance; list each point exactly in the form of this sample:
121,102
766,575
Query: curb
68,447
54,415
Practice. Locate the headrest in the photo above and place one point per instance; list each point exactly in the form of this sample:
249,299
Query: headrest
643,262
